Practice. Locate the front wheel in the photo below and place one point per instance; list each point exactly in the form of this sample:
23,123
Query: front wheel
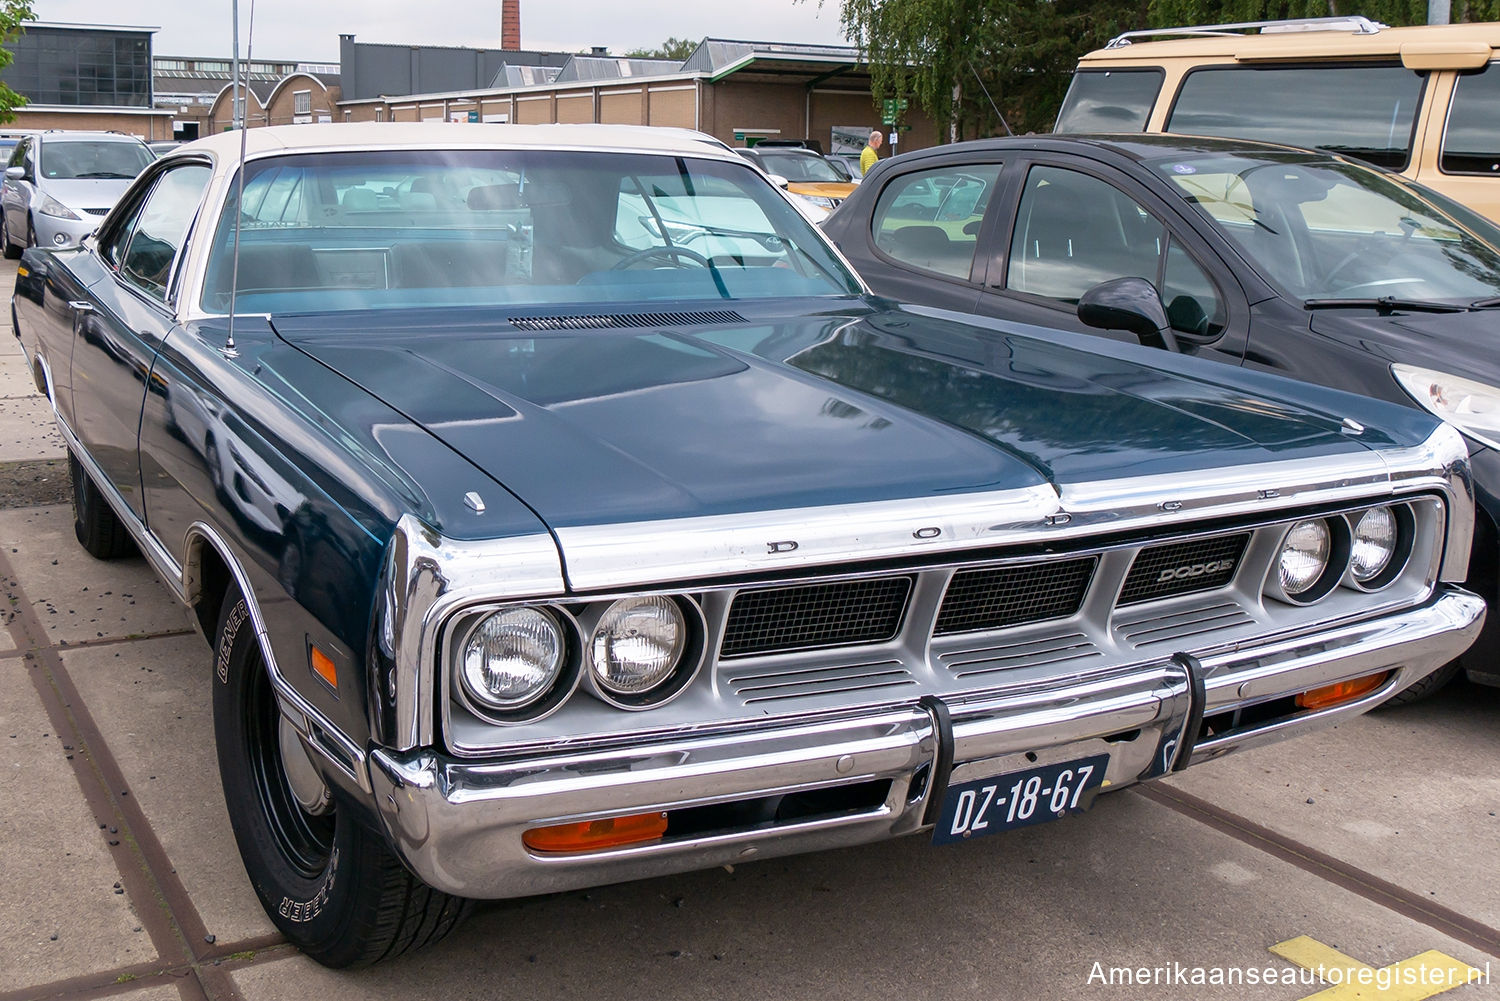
326,879
12,250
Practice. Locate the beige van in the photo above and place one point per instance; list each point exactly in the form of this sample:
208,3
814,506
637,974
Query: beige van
1424,101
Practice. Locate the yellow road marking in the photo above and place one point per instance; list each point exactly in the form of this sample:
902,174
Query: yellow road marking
1415,979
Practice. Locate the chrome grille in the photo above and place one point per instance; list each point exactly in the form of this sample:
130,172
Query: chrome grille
605,321
1005,656
759,685
779,619
1220,556
1180,625
996,597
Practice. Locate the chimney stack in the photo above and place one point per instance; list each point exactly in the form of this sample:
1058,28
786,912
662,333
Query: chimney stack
510,25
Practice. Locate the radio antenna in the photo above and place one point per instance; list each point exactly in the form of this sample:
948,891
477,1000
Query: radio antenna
998,113
241,114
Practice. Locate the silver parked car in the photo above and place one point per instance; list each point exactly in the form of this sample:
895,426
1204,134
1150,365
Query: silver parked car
59,185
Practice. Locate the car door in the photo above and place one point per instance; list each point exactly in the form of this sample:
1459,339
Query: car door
921,243
1074,223
124,320
15,196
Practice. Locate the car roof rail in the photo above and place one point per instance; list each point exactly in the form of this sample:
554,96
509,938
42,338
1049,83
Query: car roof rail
1353,24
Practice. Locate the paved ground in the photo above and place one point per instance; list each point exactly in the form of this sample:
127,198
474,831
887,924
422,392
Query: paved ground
119,876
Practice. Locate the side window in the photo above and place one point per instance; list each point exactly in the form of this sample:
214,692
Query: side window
18,154
164,219
1109,101
1194,305
1074,231
1471,144
114,239
930,219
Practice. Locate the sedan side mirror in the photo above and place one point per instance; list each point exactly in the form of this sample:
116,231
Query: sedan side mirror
778,180
16,173
1128,304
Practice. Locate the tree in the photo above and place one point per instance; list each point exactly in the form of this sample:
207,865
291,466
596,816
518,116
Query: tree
12,14
673,48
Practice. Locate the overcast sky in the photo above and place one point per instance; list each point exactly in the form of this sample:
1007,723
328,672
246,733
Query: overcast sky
308,30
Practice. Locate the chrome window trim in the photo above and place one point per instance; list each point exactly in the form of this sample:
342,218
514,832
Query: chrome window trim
188,305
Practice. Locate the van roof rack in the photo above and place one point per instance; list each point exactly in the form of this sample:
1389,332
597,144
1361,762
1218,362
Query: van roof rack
1354,25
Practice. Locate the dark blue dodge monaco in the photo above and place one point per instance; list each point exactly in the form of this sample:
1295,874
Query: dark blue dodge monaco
561,509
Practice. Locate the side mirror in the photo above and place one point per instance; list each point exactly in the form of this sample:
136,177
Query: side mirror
778,180
16,172
1128,304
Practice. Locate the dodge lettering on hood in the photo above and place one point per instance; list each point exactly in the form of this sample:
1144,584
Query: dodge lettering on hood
560,509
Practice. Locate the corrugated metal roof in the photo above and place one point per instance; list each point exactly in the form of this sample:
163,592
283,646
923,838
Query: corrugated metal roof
714,54
591,68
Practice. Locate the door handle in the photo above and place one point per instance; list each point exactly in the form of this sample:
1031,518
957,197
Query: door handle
81,306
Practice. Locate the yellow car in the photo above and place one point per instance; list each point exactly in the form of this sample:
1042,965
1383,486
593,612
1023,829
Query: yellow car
807,174
1421,100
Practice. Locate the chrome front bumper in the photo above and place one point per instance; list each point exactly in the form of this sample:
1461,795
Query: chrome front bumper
458,824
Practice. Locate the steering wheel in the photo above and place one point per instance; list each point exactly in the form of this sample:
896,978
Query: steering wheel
650,253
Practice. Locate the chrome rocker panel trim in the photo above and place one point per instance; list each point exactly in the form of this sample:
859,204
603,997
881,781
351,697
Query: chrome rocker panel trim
458,825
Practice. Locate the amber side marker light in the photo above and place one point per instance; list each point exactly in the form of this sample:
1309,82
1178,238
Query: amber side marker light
1344,691
591,835
323,668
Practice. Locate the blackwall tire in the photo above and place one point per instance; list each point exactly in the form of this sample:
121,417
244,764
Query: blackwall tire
328,882
99,530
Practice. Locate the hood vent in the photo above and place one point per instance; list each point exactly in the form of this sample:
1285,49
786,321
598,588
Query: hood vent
607,321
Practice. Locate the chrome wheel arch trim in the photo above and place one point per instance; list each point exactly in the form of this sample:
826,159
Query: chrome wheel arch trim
317,730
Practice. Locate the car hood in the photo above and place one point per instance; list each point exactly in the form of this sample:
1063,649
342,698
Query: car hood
1462,343
87,192
821,189
644,424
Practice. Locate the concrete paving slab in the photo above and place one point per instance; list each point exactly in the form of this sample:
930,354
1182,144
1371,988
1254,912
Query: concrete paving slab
28,430
58,901
77,597
161,992
152,702
1023,915
1409,794
15,374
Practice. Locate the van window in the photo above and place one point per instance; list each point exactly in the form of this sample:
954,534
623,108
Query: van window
1472,143
1109,101
1365,111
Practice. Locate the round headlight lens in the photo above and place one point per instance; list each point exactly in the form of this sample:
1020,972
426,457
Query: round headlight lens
1374,543
512,657
1304,555
637,644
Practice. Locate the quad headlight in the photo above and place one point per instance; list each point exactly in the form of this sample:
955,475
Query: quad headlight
1312,559
1374,544
514,662
643,651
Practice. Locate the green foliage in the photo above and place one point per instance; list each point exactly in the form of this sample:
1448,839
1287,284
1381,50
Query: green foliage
673,48
1024,51
12,14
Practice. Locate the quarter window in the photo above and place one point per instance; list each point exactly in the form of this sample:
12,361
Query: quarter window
1365,111
1472,142
930,219
1074,231
164,220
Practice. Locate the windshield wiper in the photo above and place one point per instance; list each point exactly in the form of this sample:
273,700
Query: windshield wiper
1490,303
105,175
1387,304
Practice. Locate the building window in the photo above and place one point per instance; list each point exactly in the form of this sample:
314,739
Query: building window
73,66
380,114
301,102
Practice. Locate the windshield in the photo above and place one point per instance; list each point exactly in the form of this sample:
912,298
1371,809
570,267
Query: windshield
1326,229
378,230
103,160
800,167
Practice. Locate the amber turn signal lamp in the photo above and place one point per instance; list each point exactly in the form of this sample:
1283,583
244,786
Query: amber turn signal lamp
1344,691
591,835
323,668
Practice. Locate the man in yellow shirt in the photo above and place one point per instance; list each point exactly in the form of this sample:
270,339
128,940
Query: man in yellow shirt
870,153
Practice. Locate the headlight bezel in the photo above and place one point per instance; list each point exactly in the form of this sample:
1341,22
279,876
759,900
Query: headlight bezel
1334,570
551,699
689,662
1406,531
